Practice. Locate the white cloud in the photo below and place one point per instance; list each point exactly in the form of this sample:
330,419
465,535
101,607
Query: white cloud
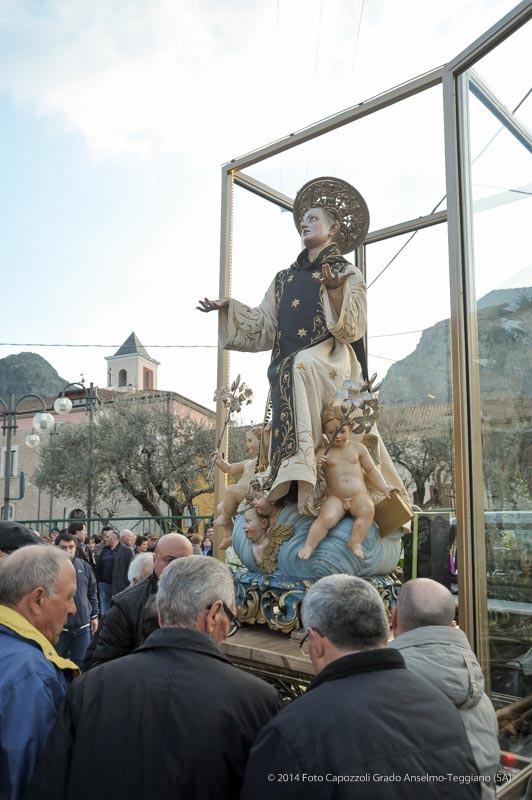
133,78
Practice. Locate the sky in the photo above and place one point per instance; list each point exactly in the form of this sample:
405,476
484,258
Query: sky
115,118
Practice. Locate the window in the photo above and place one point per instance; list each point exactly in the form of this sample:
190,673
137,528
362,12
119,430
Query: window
14,462
122,378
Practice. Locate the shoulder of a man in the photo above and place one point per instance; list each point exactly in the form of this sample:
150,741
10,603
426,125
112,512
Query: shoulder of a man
22,663
133,597
80,565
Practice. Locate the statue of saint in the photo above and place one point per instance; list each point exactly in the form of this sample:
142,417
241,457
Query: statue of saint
311,315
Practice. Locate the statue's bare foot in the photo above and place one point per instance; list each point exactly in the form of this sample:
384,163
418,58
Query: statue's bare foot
305,552
222,521
226,542
356,547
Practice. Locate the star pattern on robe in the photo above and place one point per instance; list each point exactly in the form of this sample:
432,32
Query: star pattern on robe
290,279
302,333
316,275
296,302
301,365
276,433
333,374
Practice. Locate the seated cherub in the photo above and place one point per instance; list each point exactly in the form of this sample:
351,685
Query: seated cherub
235,493
346,467
256,529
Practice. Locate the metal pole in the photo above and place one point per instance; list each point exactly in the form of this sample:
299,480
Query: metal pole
10,415
89,401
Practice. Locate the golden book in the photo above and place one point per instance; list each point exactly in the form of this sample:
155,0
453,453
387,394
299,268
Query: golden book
391,514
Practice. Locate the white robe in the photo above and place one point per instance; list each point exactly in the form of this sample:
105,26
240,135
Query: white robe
318,372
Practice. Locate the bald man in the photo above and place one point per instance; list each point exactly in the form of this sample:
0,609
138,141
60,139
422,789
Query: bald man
133,615
432,646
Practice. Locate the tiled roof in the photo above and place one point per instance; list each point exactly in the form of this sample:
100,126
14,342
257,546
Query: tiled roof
132,346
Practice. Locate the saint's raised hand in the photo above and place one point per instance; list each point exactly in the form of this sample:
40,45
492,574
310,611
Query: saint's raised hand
207,305
332,278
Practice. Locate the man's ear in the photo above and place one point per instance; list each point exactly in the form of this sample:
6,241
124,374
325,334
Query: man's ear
35,601
212,615
317,643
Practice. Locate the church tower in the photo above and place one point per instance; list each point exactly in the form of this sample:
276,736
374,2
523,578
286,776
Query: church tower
131,367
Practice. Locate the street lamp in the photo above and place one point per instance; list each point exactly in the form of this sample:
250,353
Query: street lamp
42,421
63,406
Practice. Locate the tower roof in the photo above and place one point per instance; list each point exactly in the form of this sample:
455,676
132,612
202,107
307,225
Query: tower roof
132,346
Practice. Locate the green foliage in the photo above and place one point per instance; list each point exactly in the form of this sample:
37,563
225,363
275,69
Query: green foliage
141,448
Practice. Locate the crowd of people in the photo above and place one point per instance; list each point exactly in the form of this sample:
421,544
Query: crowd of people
392,705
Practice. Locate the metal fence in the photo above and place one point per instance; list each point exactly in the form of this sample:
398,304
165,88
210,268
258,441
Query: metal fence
139,525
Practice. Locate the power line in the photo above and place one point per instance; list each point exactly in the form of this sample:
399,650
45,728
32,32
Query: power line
483,150
170,346
108,346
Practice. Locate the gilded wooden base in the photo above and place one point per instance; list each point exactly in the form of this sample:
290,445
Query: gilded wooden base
276,602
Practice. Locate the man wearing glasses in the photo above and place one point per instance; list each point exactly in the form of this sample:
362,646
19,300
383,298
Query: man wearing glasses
364,720
162,703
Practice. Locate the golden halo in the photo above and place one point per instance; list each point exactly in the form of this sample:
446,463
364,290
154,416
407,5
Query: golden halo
346,201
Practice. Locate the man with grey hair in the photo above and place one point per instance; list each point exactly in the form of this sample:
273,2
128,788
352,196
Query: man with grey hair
133,616
140,568
37,588
432,646
159,702
112,567
127,537
364,719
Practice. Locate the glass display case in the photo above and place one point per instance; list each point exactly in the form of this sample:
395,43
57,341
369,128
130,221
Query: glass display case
445,165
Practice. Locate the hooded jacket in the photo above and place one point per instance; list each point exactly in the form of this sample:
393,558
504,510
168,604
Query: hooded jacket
442,655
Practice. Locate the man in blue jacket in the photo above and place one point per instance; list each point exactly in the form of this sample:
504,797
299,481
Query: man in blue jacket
37,588
76,635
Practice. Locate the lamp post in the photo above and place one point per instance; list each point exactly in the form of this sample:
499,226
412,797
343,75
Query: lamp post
63,406
42,421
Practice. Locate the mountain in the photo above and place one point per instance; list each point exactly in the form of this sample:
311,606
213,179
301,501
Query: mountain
504,322
28,373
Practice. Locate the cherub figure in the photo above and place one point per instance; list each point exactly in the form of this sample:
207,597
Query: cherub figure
256,529
235,493
346,467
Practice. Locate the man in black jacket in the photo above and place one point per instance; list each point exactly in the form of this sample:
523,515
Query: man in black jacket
133,615
177,690
364,720
76,634
112,567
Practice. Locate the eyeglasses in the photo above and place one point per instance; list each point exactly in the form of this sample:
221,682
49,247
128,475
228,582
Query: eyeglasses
304,644
235,622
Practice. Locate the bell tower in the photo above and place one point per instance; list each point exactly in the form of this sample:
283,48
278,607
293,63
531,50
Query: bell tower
131,368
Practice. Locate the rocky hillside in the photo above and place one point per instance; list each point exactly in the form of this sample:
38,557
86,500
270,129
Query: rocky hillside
28,373
505,354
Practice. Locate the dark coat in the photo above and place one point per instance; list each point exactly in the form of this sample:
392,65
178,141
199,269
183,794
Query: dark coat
130,619
366,716
123,557
86,597
173,720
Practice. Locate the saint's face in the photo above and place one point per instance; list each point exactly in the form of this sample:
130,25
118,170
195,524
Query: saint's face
316,229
